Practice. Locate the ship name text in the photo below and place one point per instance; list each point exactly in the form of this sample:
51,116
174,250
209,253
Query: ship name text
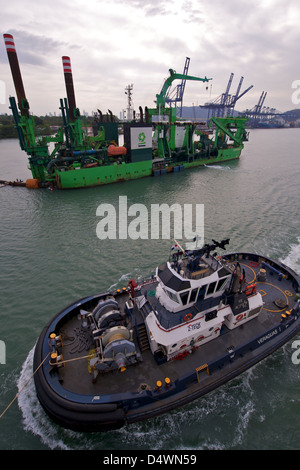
268,336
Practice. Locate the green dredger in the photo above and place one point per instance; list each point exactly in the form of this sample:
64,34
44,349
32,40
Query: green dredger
159,143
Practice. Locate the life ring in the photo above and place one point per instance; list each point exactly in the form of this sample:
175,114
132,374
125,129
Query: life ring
187,317
254,264
239,317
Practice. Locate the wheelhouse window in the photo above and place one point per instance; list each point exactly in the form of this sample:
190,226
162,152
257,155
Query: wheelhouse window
221,283
193,295
172,295
211,288
201,294
184,297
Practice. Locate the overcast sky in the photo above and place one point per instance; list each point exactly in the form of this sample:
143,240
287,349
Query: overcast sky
118,42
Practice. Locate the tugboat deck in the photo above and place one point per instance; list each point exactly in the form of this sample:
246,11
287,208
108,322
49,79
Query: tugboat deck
135,353
75,376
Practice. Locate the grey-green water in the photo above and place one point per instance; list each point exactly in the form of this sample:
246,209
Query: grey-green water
50,256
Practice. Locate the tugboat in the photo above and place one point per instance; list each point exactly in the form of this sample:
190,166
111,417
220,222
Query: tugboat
145,349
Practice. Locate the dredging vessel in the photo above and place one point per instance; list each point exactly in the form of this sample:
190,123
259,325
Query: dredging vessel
145,349
156,144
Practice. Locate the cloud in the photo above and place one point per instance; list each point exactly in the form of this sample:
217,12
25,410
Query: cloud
194,14
115,43
149,8
33,49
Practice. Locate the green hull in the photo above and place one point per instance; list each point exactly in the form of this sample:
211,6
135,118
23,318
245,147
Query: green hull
115,173
223,156
97,176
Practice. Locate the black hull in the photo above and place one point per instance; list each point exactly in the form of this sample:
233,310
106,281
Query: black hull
116,412
215,384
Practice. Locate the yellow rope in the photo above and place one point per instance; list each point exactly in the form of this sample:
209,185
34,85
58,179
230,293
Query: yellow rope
64,361
24,386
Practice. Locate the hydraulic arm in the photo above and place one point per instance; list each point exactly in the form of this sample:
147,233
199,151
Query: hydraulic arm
161,97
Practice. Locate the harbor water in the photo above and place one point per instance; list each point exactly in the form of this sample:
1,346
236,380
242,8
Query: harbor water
51,256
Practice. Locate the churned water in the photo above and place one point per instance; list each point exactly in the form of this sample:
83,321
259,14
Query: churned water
51,256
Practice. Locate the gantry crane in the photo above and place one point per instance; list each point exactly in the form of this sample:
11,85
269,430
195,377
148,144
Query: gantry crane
224,105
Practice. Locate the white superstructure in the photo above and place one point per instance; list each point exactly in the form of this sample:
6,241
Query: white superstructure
196,296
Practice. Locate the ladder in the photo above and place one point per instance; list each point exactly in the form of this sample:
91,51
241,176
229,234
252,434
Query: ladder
142,337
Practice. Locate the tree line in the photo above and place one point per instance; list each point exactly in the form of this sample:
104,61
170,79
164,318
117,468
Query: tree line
43,125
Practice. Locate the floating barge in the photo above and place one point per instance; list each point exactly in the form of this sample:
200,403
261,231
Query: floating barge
143,350
156,144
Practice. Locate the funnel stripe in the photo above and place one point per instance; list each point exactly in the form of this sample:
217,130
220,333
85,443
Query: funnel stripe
66,64
9,43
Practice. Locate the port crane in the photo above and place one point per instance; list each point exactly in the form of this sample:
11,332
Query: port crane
224,105
256,112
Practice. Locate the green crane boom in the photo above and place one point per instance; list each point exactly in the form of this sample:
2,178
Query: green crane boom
161,97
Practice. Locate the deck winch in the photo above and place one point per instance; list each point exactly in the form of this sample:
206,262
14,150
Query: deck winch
115,347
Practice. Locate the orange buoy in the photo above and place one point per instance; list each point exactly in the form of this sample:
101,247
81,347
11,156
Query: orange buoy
32,183
113,150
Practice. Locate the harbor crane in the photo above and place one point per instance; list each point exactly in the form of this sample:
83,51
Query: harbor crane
224,105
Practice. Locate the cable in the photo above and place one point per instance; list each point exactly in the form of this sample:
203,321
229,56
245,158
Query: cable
24,386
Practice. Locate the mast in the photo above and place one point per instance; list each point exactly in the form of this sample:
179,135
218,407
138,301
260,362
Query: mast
128,92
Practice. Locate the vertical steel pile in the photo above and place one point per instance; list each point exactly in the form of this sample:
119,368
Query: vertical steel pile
16,74
69,87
